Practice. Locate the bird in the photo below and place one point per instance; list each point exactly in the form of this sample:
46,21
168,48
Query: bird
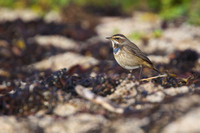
128,55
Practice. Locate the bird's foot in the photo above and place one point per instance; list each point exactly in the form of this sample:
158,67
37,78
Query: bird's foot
130,76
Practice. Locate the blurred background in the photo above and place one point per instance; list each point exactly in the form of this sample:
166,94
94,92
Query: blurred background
167,9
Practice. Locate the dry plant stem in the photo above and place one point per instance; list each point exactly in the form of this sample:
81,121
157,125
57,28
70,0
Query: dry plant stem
107,104
159,76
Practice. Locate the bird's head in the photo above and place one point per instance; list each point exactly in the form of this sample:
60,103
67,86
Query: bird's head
117,39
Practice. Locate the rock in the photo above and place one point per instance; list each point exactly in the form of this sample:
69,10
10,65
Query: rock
181,40
129,125
157,45
38,123
174,110
156,97
175,91
11,15
9,124
64,110
186,124
80,123
66,60
158,93
84,123
56,41
53,16
126,26
159,59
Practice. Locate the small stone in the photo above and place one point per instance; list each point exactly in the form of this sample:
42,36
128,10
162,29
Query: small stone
186,124
156,97
64,110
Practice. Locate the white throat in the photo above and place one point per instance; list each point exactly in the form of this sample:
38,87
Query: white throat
113,43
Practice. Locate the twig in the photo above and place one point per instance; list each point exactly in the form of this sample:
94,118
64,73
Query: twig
107,104
155,77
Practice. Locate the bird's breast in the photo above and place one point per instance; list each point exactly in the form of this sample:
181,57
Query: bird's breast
126,59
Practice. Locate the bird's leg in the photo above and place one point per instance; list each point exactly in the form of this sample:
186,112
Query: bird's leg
140,72
130,74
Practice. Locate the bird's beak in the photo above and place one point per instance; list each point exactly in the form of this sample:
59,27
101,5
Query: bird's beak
108,38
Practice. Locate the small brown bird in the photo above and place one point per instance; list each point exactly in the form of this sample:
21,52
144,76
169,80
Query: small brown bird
128,55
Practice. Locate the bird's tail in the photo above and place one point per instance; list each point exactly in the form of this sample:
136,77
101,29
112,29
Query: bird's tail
156,70
151,66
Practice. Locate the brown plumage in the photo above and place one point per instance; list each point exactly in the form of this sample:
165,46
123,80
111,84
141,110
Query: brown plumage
128,55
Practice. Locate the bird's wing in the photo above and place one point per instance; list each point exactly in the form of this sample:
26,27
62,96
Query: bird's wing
136,51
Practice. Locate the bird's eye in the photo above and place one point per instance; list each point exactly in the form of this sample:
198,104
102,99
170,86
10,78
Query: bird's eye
117,38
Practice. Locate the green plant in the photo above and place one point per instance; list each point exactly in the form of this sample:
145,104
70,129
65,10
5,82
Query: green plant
157,33
135,36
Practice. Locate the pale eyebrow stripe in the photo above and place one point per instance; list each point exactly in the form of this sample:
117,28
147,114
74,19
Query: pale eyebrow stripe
118,37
